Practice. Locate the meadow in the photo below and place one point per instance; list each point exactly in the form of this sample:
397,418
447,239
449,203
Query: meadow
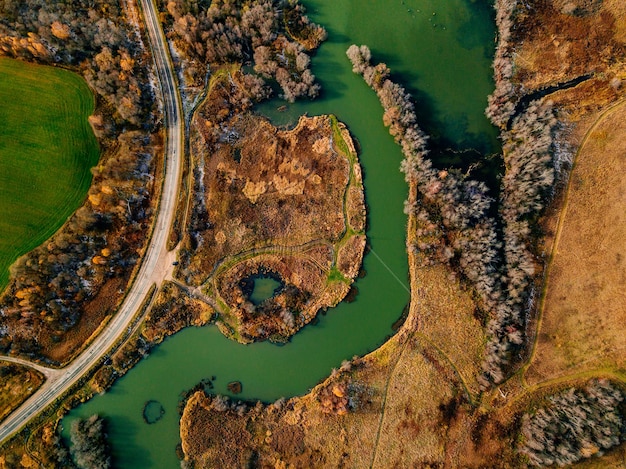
46,151
581,330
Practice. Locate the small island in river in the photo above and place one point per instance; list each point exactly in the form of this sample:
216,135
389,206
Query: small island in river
285,205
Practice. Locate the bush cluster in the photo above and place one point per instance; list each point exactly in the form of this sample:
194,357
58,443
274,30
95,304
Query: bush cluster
89,445
576,424
268,34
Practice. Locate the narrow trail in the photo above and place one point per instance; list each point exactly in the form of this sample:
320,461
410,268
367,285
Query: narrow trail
383,405
49,373
557,238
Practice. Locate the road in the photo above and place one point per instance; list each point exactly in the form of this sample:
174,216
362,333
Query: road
157,261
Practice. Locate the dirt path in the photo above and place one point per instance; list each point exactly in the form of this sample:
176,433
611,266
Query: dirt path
557,237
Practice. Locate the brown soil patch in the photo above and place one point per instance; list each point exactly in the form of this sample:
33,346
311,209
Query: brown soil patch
582,326
17,383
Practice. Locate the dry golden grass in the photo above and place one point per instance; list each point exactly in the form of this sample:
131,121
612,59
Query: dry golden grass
618,8
554,46
584,313
445,314
17,383
421,383
588,98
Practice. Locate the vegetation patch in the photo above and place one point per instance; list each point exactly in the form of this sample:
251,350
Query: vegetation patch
574,425
61,292
17,383
153,411
46,153
270,202
90,449
584,309
173,310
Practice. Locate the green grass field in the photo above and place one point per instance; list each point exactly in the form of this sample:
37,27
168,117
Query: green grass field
46,151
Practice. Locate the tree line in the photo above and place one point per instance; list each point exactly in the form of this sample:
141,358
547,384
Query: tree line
452,211
502,102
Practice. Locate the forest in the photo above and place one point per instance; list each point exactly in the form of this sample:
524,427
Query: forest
573,425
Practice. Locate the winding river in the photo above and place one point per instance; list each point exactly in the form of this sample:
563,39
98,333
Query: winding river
441,51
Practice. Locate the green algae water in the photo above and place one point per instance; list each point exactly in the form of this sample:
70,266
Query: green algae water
263,289
441,51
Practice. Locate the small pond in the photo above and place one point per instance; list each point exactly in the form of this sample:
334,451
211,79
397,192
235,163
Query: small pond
259,288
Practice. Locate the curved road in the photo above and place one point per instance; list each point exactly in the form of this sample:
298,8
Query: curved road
157,261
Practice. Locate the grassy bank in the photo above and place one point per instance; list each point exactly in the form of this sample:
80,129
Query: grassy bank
46,150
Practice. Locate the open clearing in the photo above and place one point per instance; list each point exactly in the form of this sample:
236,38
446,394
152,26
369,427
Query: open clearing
46,151
584,312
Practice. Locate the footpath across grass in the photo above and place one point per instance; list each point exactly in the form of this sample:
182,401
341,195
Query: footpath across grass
46,151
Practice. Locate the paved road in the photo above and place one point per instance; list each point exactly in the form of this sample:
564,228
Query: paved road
157,261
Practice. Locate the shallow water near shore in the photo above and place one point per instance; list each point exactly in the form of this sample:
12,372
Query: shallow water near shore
441,51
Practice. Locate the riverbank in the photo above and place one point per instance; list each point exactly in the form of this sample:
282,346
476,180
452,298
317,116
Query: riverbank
383,399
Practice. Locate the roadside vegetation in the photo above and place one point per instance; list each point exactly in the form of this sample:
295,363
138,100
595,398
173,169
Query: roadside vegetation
97,40
62,291
17,383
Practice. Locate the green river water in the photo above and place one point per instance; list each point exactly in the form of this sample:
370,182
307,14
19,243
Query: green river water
441,51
